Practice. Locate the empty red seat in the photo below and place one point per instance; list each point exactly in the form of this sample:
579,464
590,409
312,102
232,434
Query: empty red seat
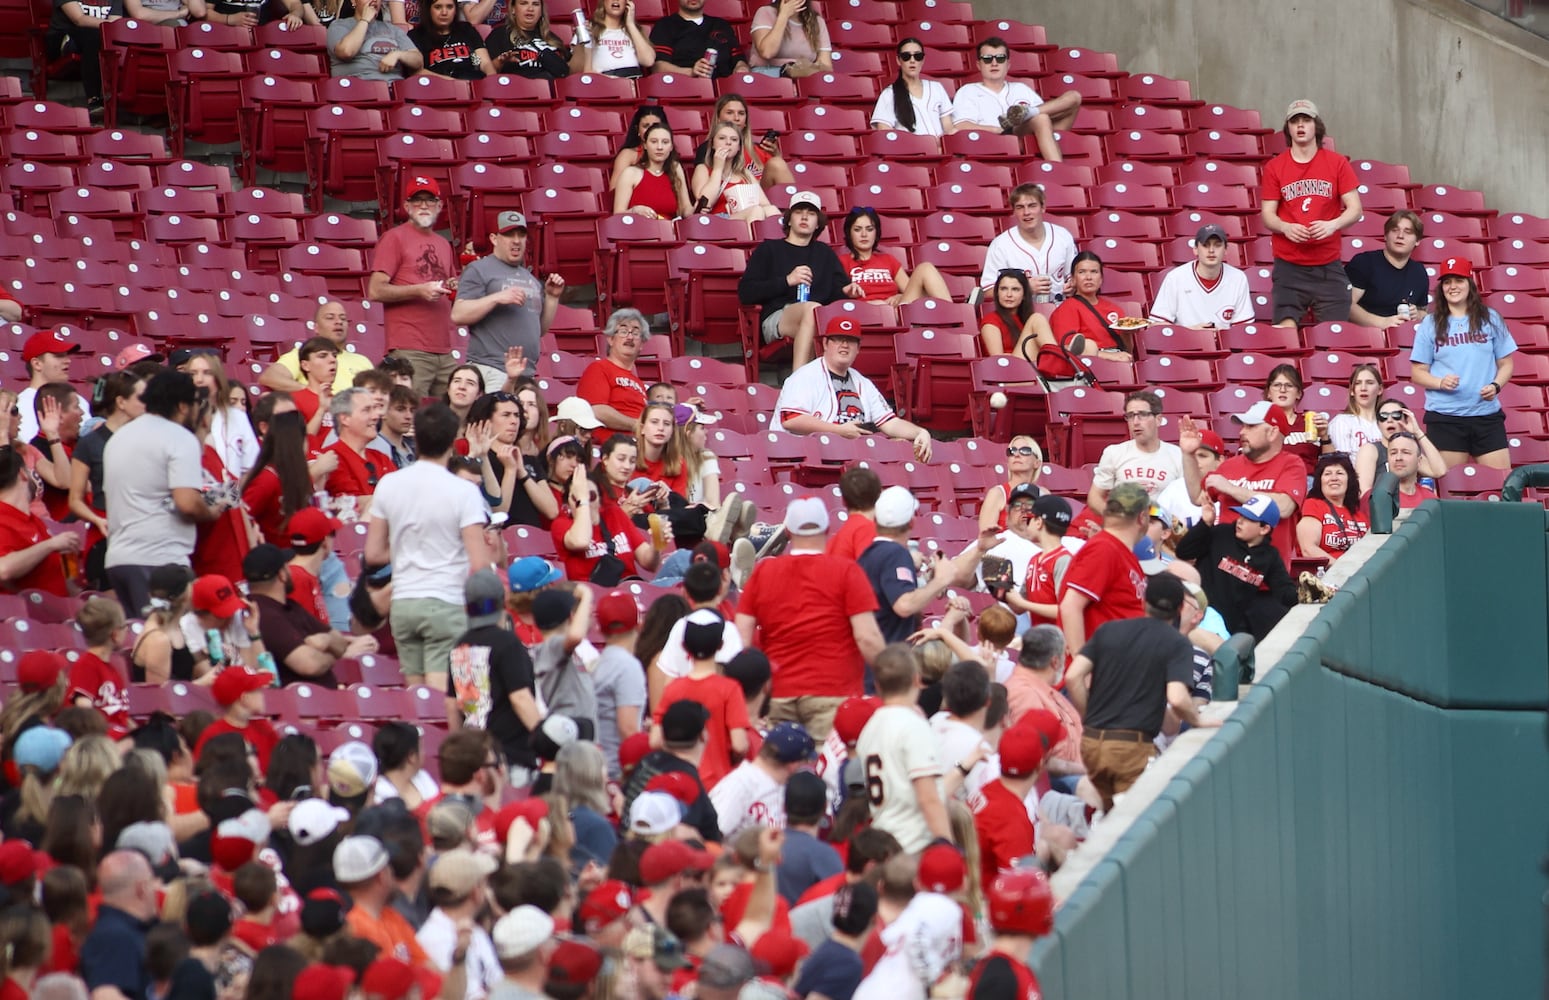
434,90
513,91
1224,145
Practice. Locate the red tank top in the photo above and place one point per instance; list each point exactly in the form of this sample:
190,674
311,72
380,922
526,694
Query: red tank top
654,191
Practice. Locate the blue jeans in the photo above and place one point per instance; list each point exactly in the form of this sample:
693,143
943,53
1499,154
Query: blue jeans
331,578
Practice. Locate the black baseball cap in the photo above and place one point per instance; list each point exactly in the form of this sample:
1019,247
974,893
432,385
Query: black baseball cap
1054,512
264,563
684,722
1165,593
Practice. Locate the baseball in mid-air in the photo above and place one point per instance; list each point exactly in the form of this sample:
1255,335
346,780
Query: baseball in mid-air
998,400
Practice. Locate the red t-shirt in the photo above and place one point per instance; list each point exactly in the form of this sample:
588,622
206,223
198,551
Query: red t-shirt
1282,474
728,711
1107,572
626,538
411,257
20,529
1005,830
223,543
91,678
307,592
1008,336
10,991
1072,316
262,500
606,383
258,734
357,474
65,957
857,532
1335,533
1308,192
307,405
1409,501
1039,586
677,484
877,275
737,904
803,604
255,935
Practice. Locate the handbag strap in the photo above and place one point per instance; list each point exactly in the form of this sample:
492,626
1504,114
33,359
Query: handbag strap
1102,321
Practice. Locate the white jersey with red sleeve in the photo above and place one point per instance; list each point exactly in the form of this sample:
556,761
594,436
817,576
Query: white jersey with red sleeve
896,747
1010,252
814,390
746,797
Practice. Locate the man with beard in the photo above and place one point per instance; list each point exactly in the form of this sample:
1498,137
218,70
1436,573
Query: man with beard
153,477
412,276
779,270
1261,467
331,320
304,648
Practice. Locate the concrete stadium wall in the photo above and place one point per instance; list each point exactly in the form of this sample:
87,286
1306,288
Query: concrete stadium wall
1371,819
1459,95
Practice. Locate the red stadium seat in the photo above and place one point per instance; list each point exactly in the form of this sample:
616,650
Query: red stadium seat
343,268
357,93
510,91
933,376
631,264
1136,172
401,155
339,230
672,90
955,226
1126,225
884,172
841,90
1456,201
951,257
1163,369
427,121
901,147
1218,144
716,230
432,90
597,90
134,66
204,96
703,292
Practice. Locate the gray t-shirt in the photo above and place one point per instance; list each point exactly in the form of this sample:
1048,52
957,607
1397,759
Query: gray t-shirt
143,463
620,683
382,38
566,687
504,326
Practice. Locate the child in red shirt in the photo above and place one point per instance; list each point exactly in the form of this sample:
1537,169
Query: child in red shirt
257,889
94,682
726,732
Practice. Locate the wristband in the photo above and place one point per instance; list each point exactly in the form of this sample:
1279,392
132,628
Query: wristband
1497,386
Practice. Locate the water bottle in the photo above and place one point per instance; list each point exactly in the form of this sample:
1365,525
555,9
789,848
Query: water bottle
212,642
266,666
1428,483
583,29
803,292
1404,311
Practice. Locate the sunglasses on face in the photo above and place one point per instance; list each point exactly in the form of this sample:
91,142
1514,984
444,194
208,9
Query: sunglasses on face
911,56
1020,450
1391,415
1003,57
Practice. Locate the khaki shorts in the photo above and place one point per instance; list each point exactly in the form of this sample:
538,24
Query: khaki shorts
771,326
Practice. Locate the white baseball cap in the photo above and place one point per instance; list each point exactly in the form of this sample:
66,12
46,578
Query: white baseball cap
654,813
312,820
895,507
578,411
806,516
522,931
358,858
808,198
352,769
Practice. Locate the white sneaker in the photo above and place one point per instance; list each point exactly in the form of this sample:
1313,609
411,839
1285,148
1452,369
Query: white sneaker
742,558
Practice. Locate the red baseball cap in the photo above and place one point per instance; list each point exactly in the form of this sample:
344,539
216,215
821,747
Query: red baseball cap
214,594
322,982
392,979
779,951
661,861
677,784
605,904
1452,267
852,715
40,669
1212,440
617,613
942,869
417,185
842,326
19,862
1025,746
574,961
722,553
134,353
48,342
1265,412
634,749
309,525
232,683
532,810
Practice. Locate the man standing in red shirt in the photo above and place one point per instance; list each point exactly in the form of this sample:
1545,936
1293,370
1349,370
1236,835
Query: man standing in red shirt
30,559
1308,195
1261,467
413,273
1104,582
817,616
355,419
611,384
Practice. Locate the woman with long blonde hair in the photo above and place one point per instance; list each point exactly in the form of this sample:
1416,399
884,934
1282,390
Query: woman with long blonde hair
722,184
619,46
660,454
527,46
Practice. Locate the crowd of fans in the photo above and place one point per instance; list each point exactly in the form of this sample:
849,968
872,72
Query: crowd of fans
817,763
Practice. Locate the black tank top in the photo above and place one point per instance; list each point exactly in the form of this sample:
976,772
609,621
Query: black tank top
182,664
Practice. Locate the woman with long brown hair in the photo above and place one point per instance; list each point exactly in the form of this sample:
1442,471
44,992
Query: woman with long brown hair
619,46
790,39
656,188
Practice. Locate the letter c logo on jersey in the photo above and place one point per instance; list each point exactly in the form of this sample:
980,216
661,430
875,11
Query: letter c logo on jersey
1306,205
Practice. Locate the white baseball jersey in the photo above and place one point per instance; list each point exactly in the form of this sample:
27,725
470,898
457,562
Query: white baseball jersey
830,766
1184,300
1126,463
814,390
928,109
956,741
746,797
1175,502
896,747
1010,252
979,105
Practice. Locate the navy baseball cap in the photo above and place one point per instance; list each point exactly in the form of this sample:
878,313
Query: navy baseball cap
790,743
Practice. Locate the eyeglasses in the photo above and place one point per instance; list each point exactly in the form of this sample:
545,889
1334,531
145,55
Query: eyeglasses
1140,414
1283,385
1391,415
1003,57
1023,450
911,57
491,765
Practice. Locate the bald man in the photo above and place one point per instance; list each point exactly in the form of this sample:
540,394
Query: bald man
332,321
113,954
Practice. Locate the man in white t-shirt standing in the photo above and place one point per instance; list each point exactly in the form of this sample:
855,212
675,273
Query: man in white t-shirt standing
429,524
1041,250
1144,459
1208,294
988,104
898,756
753,794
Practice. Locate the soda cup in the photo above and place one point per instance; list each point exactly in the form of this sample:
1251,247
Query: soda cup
1311,424
711,55
803,292
212,642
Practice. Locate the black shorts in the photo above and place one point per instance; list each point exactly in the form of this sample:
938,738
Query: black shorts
1323,288
1467,435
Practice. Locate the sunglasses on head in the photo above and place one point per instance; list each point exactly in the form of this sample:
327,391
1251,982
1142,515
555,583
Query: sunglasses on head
1019,450
911,56
1003,57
